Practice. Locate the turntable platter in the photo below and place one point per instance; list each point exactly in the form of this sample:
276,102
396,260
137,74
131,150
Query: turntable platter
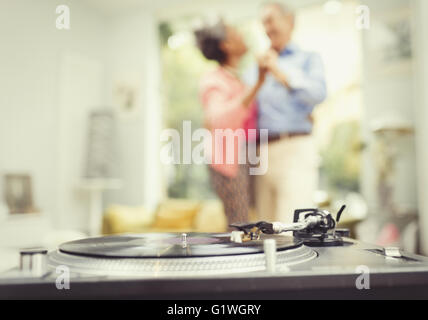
170,245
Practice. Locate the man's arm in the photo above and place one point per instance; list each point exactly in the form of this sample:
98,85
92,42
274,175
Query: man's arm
307,85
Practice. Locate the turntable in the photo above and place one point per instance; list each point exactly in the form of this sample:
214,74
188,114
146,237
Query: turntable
169,255
258,260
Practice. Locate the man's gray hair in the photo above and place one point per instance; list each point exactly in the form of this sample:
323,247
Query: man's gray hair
281,6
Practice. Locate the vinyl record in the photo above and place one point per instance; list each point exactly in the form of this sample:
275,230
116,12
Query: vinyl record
170,245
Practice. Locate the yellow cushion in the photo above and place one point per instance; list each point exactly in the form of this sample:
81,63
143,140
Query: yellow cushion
122,219
176,214
211,217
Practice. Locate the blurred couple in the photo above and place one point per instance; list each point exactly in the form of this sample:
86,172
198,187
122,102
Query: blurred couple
279,94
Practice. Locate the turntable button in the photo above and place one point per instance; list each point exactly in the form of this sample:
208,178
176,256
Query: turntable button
33,261
392,252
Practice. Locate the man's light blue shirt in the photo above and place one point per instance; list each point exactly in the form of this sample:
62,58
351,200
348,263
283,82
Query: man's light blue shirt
281,110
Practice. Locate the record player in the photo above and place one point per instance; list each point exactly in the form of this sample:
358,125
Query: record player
308,258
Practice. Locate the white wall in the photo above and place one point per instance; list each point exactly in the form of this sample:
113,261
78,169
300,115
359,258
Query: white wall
134,60
51,79
421,67
32,51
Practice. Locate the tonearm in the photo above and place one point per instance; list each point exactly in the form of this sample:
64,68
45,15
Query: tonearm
313,226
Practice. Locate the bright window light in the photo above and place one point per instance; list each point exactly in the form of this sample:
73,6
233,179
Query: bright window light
332,7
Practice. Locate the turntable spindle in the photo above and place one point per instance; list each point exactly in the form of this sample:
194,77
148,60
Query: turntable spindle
184,240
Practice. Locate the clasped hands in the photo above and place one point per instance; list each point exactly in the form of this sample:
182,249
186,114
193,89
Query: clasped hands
268,63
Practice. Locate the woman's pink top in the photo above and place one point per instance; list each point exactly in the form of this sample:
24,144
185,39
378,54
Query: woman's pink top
221,96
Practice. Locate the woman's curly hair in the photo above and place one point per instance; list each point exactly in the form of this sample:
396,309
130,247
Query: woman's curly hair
209,38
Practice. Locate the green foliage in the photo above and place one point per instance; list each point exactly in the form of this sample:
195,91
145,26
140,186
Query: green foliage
341,158
182,70
165,32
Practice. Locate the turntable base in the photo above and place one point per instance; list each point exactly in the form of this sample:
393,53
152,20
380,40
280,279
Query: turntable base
324,272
